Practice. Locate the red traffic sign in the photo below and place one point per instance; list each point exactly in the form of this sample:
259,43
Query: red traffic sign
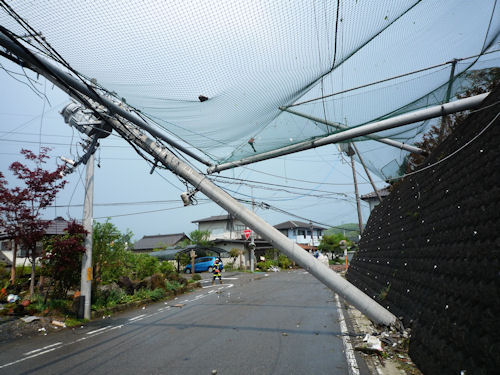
247,233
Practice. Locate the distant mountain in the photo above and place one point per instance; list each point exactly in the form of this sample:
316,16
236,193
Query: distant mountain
350,230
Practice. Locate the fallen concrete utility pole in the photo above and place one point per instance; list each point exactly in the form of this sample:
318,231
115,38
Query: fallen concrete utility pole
394,122
134,134
353,295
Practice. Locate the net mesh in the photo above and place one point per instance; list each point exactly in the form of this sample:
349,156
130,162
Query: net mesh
249,59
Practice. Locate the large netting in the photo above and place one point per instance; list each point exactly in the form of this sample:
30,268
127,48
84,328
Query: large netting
252,58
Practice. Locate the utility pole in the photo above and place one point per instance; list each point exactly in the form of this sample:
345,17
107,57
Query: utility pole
367,172
252,241
86,279
312,237
358,204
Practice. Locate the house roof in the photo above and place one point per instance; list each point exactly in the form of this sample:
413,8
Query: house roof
150,242
383,193
56,226
213,218
296,224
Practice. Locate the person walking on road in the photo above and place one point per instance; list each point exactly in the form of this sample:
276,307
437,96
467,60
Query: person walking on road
217,271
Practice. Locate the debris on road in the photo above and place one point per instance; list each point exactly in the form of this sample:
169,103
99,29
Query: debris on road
371,345
11,298
393,356
29,319
178,305
284,334
58,323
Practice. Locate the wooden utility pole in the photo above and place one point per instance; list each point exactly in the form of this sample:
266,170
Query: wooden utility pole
192,253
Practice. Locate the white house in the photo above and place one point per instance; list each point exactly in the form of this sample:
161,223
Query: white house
372,198
306,235
226,232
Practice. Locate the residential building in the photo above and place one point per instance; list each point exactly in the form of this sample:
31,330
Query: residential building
222,227
305,235
226,232
372,199
148,243
56,226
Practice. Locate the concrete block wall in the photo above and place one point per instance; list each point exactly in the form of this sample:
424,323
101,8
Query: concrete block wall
430,252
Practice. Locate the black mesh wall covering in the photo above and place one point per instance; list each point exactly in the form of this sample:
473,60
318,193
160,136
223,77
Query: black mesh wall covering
430,251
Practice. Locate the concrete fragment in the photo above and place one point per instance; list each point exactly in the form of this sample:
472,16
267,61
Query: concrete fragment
29,319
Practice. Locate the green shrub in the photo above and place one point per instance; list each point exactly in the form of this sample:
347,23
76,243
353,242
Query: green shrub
172,285
284,262
166,267
264,266
196,276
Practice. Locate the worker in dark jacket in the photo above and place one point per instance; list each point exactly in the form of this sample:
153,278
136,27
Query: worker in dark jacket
217,271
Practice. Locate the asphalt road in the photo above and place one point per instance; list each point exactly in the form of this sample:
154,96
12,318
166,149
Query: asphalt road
276,323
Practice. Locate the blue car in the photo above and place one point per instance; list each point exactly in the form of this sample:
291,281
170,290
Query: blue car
203,264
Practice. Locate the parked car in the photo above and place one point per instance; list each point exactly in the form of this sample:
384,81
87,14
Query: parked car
203,264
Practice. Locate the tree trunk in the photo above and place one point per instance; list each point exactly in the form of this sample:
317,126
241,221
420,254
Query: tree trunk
32,282
13,268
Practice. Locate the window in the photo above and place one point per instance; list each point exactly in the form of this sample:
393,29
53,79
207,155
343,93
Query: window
5,245
302,232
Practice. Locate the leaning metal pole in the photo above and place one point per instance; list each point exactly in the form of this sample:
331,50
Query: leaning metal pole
337,125
362,130
323,273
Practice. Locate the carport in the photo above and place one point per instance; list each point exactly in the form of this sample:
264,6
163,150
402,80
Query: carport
175,254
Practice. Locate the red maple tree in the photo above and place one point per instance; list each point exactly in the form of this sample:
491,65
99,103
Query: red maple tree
21,206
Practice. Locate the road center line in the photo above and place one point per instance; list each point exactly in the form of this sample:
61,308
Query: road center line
45,347
137,317
31,356
98,330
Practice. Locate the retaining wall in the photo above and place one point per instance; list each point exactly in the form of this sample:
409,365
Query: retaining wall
430,251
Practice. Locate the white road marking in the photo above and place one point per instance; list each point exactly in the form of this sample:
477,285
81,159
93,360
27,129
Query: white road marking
31,356
45,347
98,330
137,317
58,345
349,352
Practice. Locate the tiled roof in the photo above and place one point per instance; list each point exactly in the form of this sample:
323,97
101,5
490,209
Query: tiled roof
151,242
296,224
56,226
383,193
213,218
